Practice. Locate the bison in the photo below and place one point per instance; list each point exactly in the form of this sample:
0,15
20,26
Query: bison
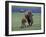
29,17
27,20
24,22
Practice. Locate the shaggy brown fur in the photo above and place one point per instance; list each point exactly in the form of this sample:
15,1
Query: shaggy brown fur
24,21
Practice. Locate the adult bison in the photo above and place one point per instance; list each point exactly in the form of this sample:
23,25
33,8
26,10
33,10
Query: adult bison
29,17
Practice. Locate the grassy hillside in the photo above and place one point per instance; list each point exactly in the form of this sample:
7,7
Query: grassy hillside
16,22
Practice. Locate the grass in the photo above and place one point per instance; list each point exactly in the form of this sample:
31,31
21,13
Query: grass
16,22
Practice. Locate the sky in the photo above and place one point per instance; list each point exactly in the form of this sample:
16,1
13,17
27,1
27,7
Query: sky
22,9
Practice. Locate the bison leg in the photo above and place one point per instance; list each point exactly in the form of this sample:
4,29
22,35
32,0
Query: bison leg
31,22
